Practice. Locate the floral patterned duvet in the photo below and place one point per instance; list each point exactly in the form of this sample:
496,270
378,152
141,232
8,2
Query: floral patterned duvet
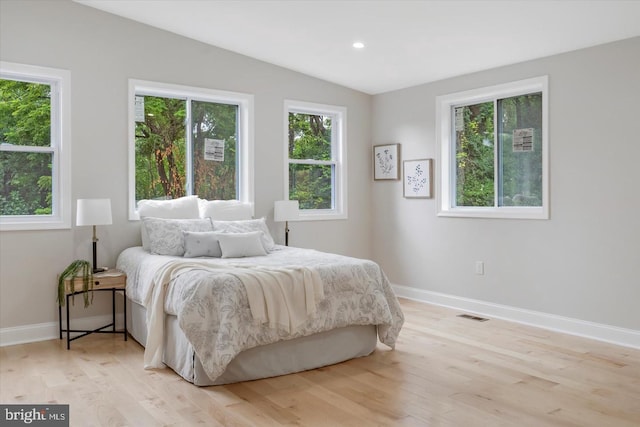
213,309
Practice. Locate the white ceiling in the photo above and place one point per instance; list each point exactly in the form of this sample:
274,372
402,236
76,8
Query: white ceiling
407,42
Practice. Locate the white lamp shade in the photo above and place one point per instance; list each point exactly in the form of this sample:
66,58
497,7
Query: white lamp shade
93,212
285,210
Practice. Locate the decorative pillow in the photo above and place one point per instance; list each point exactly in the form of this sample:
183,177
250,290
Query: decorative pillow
246,226
181,208
166,236
201,243
237,245
225,210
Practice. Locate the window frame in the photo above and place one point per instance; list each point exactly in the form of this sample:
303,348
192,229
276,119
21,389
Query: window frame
60,147
445,147
338,154
245,125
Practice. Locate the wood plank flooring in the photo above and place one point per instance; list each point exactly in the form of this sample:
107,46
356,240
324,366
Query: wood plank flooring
445,371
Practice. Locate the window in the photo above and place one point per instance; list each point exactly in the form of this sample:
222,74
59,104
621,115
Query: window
494,151
316,173
34,148
189,141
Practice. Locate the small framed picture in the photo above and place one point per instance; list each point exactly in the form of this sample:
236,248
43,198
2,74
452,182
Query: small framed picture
417,179
386,162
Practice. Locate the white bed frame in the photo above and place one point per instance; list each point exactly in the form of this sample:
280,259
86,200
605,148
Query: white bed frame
284,357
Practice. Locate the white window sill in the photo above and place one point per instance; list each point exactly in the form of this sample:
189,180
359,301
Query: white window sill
321,215
501,213
31,223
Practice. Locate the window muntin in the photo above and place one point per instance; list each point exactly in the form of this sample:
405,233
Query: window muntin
34,142
494,151
316,172
188,141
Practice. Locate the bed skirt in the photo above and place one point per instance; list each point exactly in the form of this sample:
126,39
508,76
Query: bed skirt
281,358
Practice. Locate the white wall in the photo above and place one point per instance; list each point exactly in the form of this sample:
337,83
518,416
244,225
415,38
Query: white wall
102,52
584,262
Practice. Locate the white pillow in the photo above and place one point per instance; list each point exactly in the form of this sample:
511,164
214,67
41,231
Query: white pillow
166,236
237,245
201,243
181,208
225,210
246,226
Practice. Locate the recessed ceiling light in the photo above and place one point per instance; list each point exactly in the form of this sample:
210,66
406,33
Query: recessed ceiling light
358,45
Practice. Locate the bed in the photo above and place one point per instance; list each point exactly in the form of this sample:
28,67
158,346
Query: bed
214,318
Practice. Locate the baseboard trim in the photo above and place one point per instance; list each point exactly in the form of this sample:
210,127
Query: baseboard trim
48,331
597,331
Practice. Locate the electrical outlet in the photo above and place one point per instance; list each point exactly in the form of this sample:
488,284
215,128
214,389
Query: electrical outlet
479,268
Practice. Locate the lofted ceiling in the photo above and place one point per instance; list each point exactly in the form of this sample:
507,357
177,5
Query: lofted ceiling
405,42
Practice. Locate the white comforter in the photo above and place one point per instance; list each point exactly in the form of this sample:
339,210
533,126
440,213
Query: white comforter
213,308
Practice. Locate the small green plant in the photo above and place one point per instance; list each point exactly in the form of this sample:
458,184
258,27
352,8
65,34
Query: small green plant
80,268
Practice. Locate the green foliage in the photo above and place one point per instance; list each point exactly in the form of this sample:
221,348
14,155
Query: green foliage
214,180
82,269
161,152
25,120
519,173
310,139
25,113
311,186
474,157
160,149
309,136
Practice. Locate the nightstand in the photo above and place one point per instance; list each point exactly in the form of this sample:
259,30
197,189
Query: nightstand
108,281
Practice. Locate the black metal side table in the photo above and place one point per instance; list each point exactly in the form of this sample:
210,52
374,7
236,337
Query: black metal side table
110,281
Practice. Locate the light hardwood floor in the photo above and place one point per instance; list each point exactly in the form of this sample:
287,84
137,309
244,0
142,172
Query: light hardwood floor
445,371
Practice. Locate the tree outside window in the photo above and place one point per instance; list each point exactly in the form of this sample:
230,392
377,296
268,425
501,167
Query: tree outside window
316,147
311,172
186,146
487,161
189,141
26,157
494,151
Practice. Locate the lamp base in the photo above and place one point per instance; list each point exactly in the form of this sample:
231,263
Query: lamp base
286,233
96,269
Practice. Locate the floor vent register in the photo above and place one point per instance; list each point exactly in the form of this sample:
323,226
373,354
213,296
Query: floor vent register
472,317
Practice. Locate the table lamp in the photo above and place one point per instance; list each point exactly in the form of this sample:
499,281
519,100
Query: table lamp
286,210
94,212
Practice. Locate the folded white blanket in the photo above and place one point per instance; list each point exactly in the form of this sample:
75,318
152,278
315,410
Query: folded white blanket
282,297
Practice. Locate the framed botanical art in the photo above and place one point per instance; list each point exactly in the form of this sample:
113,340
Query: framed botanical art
386,162
417,178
